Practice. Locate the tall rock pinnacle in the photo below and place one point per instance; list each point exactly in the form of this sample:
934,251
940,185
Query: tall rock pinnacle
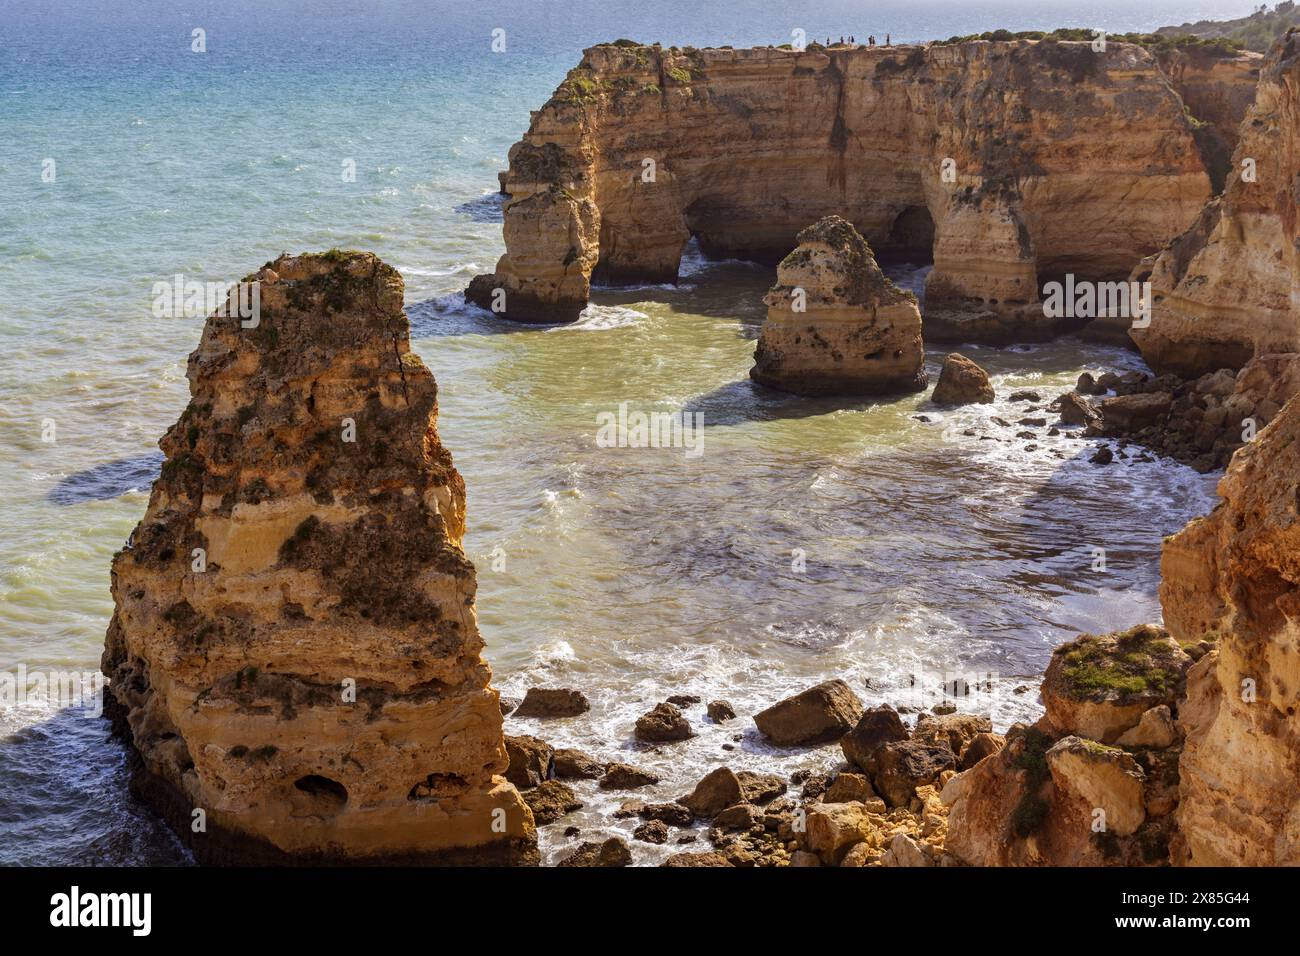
294,653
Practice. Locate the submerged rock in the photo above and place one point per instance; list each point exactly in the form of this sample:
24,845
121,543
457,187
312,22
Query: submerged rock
294,649
836,324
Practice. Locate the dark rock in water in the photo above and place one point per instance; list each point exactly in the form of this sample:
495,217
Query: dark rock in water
1103,456
1087,385
620,776
613,852
684,700
663,724
652,831
576,765
876,728
1076,410
572,831
720,711
674,813
552,702
551,800
718,790
962,382
1025,396
487,208
531,761
818,715
109,480
723,787
508,705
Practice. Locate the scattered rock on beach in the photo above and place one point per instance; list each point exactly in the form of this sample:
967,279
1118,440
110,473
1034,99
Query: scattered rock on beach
818,715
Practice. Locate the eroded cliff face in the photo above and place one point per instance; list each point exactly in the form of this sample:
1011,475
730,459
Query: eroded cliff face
294,650
1095,781
1012,162
835,323
1226,290
1233,577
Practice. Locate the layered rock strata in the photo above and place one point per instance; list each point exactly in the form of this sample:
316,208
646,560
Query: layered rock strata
294,654
1007,162
1232,579
1226,290
835,323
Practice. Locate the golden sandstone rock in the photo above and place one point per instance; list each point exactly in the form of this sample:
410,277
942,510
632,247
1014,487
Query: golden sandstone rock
1233,577
836,324
1226,290
1008,161
294,653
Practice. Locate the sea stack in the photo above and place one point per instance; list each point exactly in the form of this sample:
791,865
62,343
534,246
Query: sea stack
835,323
1226,290
294,655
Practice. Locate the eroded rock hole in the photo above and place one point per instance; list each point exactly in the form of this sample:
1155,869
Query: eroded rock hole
328,792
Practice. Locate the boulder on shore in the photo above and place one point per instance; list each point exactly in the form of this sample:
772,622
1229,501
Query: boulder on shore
818,715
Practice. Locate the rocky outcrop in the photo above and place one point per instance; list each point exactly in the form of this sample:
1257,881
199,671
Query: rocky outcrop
294,654
1200,421
962,382
1095,781
1007,162
835,323
1233,578
1226,290
1100,686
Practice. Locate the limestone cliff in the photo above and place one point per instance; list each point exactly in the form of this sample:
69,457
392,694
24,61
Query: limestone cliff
1233,577
1226,289
835,323
294,650
1009,162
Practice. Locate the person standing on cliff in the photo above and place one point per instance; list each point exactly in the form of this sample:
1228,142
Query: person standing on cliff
886,39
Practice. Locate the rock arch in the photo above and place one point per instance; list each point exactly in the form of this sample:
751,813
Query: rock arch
1022,159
